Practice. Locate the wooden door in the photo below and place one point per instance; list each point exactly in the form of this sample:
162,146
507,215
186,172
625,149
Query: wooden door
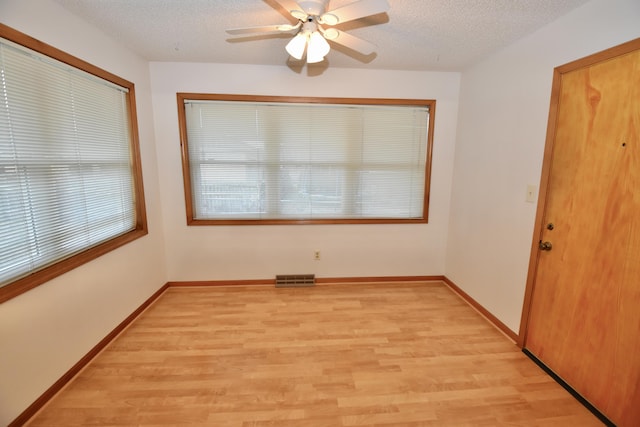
584,313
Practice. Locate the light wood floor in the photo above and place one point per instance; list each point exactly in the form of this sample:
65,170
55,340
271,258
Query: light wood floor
335,355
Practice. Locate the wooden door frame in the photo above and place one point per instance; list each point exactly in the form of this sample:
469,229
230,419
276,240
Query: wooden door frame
587,61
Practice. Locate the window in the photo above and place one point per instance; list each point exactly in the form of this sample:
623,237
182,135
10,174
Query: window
70,179
282,160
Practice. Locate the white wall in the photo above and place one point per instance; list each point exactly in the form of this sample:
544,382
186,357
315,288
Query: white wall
45,331
261,252
504,104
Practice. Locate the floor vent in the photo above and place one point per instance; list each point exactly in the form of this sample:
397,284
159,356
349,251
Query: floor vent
295,280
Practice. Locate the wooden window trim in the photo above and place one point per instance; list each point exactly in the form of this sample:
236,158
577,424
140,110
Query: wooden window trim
181,97
39,277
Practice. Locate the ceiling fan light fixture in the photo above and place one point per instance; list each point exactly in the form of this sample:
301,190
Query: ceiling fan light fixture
318,48
296,46
311,36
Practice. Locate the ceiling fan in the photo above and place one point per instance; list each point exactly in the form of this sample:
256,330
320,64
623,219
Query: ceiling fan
315,27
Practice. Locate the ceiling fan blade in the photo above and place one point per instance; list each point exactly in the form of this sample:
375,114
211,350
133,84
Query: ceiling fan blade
265,29
293,8
352,42
356,10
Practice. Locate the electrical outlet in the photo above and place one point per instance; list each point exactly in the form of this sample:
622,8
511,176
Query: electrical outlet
316,255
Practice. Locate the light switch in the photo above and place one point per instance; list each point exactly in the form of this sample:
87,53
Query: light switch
532,192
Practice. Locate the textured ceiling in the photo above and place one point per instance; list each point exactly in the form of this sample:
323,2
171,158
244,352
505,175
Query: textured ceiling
446,35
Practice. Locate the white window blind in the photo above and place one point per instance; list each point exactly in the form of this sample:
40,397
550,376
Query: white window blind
271,160
66,180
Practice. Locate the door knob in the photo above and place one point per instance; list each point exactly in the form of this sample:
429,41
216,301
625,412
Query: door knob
545,246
